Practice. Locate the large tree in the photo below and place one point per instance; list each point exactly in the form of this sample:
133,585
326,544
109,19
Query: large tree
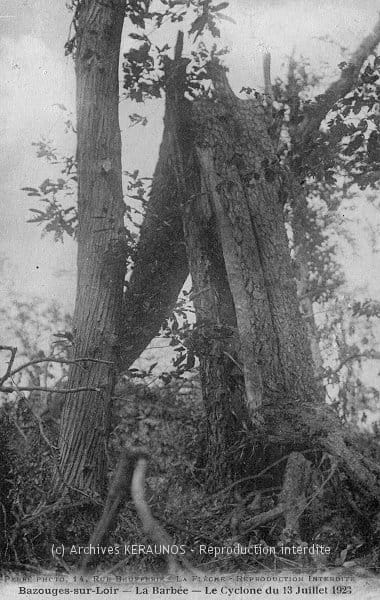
256,364
216,189
239,202
101,245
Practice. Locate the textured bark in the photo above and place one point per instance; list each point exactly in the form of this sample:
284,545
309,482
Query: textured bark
101,246
246,220
240,173
233,149
215,339
216,342
161,266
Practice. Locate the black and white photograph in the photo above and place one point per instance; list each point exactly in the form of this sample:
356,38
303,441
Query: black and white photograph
190,299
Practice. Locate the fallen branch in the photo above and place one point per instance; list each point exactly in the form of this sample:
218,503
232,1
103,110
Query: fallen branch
129,483
293,494
261,519
119,492
28,388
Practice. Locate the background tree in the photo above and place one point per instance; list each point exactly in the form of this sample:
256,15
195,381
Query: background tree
102,244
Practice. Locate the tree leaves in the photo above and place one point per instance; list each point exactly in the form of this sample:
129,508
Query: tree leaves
353,145
143,73
54,214
207,19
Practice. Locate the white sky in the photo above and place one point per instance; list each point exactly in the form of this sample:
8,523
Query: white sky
34,75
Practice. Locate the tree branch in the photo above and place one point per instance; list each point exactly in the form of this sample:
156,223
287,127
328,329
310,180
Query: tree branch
325,102
371,354
13,352
21,388
160,267
56,360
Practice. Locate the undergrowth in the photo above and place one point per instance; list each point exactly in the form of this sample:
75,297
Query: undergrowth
171,427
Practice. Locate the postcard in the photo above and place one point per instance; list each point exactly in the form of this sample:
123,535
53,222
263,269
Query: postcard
189,338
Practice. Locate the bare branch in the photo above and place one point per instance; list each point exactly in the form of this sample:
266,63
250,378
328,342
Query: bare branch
178,46
10,390
40,424
370,354
57,507
57,360
13,352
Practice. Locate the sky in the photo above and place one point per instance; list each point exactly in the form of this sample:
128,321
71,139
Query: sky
35,76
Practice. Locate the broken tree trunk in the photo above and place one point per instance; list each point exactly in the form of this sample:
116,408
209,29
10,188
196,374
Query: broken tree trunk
215,339
160,266
241,176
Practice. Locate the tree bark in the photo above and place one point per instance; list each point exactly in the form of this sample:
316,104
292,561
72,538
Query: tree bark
101,247
161,266
101,254
215,338
232,147
337,90
240,173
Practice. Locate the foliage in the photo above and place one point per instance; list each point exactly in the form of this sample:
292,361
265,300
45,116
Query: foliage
59,219
57,213
353,128
29,428
206,15
169,421
35,519
349,339
347,146
39,330
330,168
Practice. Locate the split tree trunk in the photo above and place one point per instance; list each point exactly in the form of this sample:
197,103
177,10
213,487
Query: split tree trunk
239,171
160,267
215,339
101,247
